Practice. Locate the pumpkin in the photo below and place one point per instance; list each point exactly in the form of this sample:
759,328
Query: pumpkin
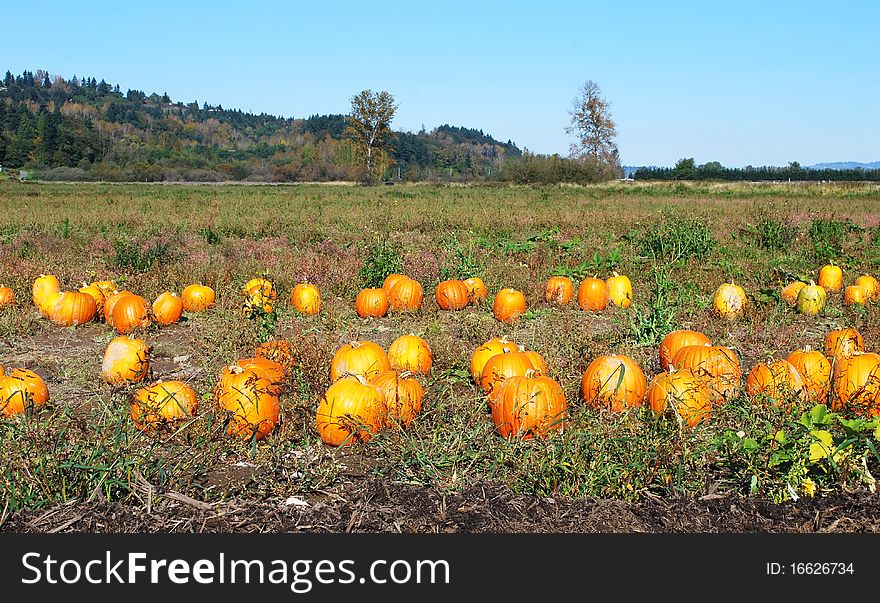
855,295
509,363
559,290
272,371
279,351
167,308
831,277
537,361
451,295
682,393
106,287
870,285
260,290
351,410
410,353
131,312
21,391
32,383
403,396
855,384
620,291
613,382
49,301
477,291
676,340
811,300
843,342
717,365
43,285
7,296
509,305
815,370
110,303
97,294
371,302
390,281
729,301
246,396
306,299
776,380
790,292
162,402
529,405
406,295
126,360
197,298
593,295
364,358
482,354
74,308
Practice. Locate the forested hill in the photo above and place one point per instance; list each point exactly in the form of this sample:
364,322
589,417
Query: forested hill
86,129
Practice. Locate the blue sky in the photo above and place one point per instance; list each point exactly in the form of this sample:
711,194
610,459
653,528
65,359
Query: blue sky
740,83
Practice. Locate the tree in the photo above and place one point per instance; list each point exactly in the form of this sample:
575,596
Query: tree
685,169
369,127
594,129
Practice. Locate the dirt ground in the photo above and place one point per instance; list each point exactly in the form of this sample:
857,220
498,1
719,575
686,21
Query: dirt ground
370,505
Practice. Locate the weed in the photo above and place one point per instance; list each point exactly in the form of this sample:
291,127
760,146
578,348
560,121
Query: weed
132,257
383,258
649,325
675,239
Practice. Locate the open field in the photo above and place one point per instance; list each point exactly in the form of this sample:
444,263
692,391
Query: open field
676,242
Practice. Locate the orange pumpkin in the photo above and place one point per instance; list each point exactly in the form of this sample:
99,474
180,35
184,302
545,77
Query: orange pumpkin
778,381
509,305
74,308
593,295
855,384
843,342
364,358
559,290
676,340
477,291
110,303
45,284
451,295
306,298
509,363
870,285
406,295
126,360
272,371
97,294
620,291
163,402
371,303
681,393
537,360
831,277
410,353
167,308
717,365
279,351
403,396
21,391
529,405
391,280
790,292
131,312
260,290
815,370
482,354
855,295
351,410
247,398
730,301
106,287
7,296
613,382
197,298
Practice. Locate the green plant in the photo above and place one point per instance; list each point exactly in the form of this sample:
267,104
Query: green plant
133,257
595,265
674,239
772,235
383,258
458,261
648,325
829,238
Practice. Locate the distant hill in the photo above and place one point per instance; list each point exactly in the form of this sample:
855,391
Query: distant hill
845,165
85,129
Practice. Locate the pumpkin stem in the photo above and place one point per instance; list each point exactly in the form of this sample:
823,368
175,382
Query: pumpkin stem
405,375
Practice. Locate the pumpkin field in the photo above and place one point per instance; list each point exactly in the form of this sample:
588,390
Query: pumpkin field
618,357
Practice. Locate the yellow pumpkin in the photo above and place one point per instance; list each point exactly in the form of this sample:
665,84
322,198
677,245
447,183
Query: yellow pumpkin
730,301
620,291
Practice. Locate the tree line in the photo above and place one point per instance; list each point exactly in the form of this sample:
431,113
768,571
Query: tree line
686,169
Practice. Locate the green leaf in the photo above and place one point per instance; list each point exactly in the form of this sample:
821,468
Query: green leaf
750,444
819,415
780,437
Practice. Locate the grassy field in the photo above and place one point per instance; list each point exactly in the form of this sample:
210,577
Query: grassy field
676,242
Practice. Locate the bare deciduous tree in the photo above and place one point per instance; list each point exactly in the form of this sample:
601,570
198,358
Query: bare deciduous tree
369,126
593,128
